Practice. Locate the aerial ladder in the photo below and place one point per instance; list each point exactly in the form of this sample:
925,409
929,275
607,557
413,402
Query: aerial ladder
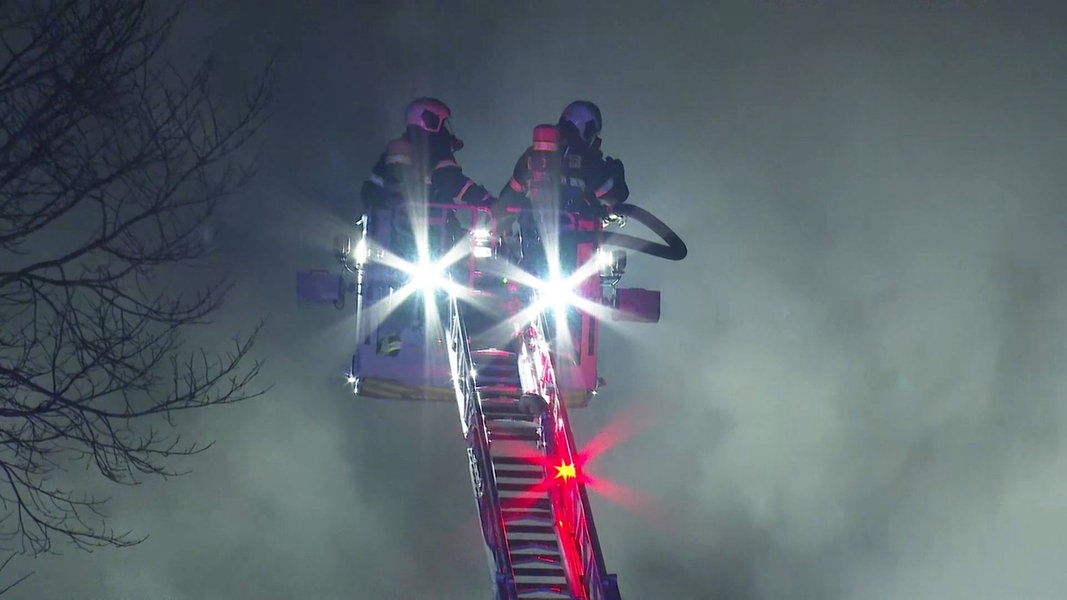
445,314
534,510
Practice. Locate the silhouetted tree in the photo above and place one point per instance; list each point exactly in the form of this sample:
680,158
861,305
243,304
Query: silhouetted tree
112,160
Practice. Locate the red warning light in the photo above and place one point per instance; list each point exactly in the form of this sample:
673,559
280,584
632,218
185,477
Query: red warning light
565,471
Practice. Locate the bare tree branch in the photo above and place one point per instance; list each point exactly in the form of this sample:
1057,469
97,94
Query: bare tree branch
3,565
112,160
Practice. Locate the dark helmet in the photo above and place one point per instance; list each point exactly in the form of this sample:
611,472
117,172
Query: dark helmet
431,116
583,120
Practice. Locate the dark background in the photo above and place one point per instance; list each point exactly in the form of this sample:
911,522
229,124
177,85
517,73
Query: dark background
856,390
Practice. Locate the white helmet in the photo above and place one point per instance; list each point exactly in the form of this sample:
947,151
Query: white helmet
428,114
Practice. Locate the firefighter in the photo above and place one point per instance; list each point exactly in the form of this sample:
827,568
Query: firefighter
589,180
422,162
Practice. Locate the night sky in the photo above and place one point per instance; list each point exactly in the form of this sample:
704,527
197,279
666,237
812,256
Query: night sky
856,389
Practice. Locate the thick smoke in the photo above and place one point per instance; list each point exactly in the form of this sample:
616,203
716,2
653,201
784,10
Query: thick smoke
857,380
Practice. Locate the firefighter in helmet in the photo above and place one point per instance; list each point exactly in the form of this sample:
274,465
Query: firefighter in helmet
422,161
419,167
589,180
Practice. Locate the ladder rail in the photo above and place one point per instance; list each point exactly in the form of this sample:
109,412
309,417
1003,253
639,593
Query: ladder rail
483,477
575,516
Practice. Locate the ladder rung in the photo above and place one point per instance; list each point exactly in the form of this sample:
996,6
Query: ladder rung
546,551
543,558
556,591
498,391
507,486
515,460
508,404
526,503
528,435
499,398
511,422
546,573
536,511
497,369
526,471
508,362
543,517
493,352
520,474
496,413
538,529
544,520
498,366
553,558
496,381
